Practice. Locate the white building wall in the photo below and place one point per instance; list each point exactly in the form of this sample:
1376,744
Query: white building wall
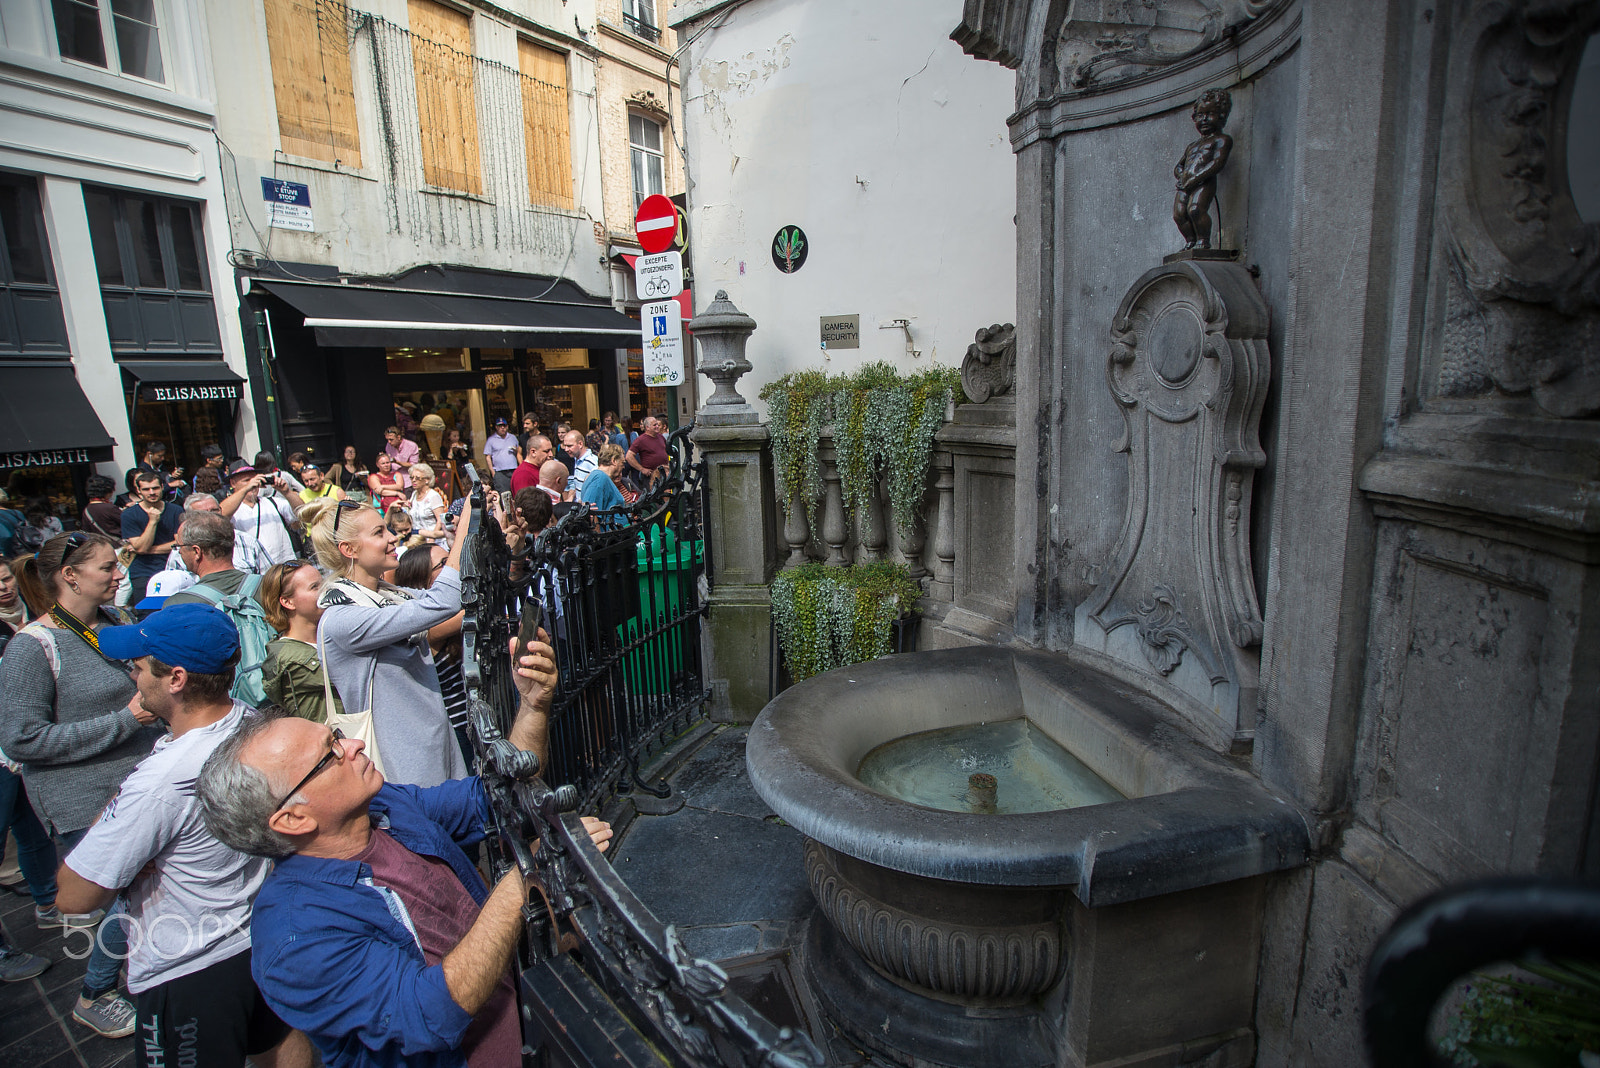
75,124
377,219
867,127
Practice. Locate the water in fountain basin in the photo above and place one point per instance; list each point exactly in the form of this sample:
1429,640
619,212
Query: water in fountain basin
945,769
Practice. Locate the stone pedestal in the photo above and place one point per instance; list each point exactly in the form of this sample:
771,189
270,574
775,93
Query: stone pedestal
740,516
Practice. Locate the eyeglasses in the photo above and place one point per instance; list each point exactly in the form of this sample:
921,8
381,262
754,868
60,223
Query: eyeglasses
335,753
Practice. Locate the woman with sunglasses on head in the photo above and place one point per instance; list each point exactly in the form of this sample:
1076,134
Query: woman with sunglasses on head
71,716
374,640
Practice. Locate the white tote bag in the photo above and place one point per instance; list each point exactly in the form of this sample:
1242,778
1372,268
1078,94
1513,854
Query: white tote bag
351,724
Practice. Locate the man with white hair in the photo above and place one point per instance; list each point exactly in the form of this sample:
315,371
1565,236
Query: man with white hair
375,934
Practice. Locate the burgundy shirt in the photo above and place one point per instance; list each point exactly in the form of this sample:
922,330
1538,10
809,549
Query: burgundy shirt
525,475
442,912
651,451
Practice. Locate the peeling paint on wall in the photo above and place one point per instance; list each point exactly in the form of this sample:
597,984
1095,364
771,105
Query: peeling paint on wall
742,76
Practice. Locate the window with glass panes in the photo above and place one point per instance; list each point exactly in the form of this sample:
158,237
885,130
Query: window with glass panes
84,26
644,140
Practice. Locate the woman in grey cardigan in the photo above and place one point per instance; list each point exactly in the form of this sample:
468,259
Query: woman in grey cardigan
72,718
374,640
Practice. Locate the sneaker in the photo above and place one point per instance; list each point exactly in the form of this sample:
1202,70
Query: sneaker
110,1015
16,965
45,919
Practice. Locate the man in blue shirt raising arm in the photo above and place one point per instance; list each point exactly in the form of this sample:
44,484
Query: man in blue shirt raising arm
374,933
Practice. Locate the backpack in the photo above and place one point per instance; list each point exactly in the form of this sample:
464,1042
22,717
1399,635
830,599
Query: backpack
254,634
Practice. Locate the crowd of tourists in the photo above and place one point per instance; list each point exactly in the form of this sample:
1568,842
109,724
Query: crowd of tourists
234,751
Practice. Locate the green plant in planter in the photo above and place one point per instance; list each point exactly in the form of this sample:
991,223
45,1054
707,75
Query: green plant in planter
827,617
1510,1022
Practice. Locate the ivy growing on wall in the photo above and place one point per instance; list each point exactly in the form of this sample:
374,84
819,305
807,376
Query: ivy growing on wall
827,617
883,423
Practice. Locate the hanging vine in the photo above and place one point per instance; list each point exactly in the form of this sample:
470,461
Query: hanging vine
882,423
827,617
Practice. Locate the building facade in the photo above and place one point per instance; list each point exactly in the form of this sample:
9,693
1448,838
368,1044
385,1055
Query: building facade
414,204
118,299
862,133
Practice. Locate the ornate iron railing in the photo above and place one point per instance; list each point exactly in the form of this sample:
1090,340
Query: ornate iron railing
604,981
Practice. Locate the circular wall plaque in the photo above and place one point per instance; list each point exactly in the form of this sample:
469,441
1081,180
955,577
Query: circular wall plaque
789,249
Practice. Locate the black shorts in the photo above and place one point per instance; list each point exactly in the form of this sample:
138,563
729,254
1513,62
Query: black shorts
212,1017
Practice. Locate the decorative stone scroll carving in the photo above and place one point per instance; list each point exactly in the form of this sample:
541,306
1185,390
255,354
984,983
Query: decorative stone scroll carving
1524,301
990,365
1176,604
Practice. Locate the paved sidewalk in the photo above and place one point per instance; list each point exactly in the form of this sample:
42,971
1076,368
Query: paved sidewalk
36,1028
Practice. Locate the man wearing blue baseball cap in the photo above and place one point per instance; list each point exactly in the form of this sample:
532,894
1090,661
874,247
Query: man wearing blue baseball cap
189,896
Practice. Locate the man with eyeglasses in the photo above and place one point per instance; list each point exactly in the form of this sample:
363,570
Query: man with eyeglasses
189,896
374,934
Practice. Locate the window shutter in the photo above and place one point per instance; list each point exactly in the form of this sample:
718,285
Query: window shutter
310,46
447,111
544,123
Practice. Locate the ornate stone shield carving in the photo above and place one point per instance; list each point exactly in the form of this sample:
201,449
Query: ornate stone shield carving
1176,603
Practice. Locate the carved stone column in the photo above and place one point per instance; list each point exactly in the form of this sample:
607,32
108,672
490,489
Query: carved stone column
911,543
943,586
1175,609
741,518
835,531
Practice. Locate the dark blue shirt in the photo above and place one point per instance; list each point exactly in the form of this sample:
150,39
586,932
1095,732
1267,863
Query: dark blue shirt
333,953
134,519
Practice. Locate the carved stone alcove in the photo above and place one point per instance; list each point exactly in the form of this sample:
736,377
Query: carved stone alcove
1175,608
1523,281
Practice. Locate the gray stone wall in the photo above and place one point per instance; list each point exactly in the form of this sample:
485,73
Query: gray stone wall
1423,542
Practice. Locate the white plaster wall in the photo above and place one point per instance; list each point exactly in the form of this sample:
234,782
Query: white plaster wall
867,127
498,231
72,124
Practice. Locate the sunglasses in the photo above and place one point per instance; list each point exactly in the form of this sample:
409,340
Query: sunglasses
338,514
335,752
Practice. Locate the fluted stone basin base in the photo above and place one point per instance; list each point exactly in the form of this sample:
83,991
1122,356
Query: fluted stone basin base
913,1029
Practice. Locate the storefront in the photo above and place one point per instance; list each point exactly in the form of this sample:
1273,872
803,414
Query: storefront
186,404
467,346
50,439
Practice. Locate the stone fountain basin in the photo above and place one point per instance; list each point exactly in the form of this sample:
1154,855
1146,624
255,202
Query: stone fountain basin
1191,818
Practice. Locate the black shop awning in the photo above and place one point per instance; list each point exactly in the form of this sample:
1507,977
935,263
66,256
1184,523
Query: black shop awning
360,315
45,419
186,380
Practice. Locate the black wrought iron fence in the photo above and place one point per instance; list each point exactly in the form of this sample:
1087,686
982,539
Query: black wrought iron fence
605,981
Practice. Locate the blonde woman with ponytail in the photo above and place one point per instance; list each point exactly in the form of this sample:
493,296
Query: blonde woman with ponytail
374,639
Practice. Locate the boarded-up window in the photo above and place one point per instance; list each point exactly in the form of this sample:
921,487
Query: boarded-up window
441,56
544,124
310,46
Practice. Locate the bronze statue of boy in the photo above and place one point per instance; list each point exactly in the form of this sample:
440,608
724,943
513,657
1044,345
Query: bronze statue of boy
1197,171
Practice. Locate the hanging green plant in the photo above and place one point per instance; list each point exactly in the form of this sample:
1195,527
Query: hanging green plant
827,617
883,423
1513,1022
797,410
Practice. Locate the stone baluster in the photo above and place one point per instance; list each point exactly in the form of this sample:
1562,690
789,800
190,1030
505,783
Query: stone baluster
834,529
874,536
796,530
943,587
911,542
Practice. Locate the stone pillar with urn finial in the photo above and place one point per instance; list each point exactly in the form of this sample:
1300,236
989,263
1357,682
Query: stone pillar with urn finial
741,518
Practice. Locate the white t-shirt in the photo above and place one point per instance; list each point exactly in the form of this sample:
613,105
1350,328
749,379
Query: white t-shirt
193,909
268,522
422,506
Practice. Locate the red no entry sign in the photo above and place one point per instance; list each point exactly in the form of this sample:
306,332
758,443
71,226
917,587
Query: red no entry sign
657,223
